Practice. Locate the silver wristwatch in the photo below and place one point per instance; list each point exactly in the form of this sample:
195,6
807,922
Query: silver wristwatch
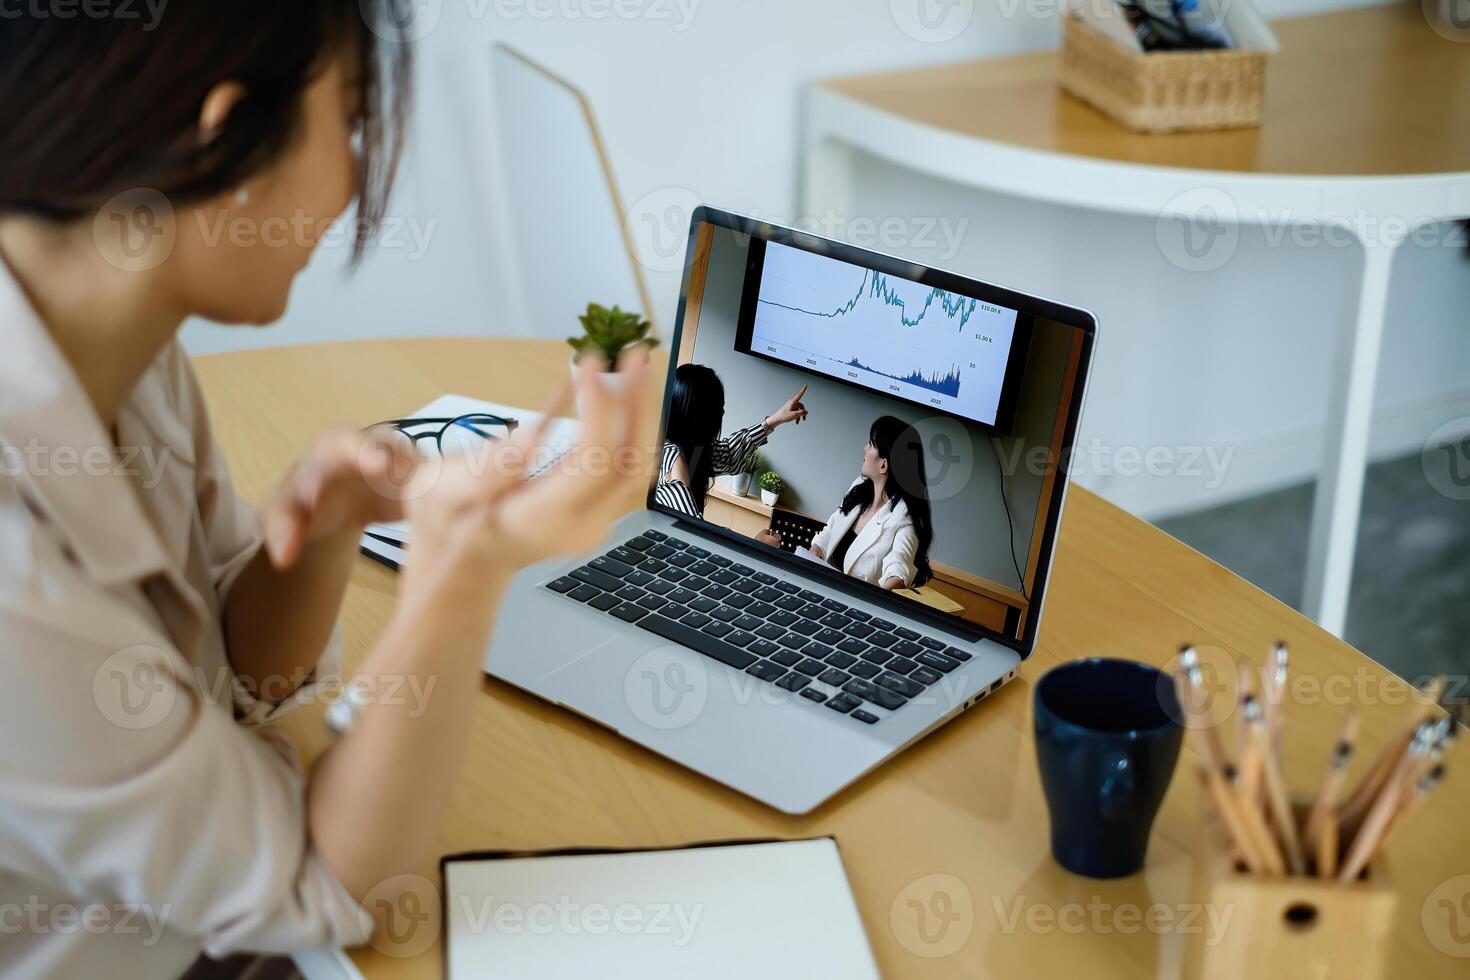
343,711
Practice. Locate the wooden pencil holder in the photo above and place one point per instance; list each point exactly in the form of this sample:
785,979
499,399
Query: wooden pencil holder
1288,928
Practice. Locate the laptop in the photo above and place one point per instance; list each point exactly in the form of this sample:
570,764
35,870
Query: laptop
897,581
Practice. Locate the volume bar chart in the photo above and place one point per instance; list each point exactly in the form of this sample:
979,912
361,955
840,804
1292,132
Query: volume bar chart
918,343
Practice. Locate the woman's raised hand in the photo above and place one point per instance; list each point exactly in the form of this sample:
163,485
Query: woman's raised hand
477,515
792,411
336,487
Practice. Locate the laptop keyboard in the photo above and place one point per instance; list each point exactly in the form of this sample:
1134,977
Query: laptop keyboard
770,628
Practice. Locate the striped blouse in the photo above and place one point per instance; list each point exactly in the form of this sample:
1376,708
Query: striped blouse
732,454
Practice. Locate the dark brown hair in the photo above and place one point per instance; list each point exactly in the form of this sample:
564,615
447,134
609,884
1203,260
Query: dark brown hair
92,106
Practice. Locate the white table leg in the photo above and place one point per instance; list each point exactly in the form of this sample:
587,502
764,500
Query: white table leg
1339,497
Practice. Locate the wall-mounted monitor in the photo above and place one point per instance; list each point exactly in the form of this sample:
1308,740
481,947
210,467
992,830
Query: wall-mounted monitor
910,339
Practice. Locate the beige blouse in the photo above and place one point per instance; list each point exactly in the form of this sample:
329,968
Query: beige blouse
146,811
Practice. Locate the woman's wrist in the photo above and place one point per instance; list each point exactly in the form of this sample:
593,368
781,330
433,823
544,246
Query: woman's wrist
460,595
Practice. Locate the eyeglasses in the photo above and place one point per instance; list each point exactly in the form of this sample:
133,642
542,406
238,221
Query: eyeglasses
450,436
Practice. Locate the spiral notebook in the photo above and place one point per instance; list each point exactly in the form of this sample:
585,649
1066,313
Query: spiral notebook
779,910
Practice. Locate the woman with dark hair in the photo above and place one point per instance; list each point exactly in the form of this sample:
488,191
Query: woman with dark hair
694,453
151,622
882,531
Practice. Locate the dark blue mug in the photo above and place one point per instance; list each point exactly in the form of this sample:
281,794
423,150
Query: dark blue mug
1107,738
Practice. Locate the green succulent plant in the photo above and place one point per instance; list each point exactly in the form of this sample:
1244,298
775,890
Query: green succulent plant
770,481
756,465
611,331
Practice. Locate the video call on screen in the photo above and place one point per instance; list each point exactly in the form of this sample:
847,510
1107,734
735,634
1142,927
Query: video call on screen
980,387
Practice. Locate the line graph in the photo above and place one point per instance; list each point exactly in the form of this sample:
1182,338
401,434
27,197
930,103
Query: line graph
920,343
877,285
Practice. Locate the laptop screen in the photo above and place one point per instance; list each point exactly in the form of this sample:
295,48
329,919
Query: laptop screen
900,428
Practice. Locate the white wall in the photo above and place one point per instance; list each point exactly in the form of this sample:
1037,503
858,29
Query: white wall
699,99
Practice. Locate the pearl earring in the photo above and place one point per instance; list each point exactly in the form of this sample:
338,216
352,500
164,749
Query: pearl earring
242,196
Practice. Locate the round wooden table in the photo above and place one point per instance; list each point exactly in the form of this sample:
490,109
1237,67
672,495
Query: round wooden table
946,846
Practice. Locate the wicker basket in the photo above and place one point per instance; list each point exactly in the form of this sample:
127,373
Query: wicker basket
1166,90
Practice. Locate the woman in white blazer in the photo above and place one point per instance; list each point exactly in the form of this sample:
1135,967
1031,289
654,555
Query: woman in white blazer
882,530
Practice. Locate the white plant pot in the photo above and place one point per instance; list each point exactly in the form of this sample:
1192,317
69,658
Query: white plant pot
769,499
740,484
611,381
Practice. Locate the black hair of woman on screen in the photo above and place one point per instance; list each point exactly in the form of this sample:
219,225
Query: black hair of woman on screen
883,528
694,453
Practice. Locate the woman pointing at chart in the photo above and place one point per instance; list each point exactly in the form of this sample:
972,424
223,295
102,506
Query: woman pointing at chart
694,452
153,625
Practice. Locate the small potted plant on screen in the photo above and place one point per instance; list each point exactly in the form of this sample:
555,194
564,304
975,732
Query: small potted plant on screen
771,487
740,482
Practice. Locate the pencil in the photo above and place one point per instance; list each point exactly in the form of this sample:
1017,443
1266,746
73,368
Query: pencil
1273,691
1276,797
1216,785
1253,823
1426,784
1194,683
1326,801
1248,757
1228,807
1369,836
1327,845
1356,808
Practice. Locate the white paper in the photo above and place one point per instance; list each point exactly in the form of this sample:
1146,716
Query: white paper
780,911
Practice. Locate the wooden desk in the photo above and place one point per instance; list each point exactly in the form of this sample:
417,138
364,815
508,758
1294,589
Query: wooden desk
1365,127
958,818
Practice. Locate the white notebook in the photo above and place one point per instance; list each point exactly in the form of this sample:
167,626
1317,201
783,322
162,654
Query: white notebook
716,912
